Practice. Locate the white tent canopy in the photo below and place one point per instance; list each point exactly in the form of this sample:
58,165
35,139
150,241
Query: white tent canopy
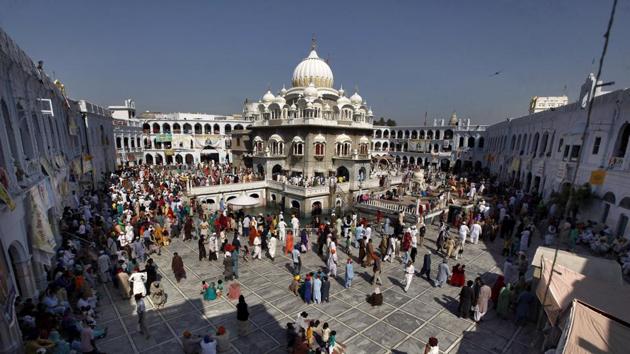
243,200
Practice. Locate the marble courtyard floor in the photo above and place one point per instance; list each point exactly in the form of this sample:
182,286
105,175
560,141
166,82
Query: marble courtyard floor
402,325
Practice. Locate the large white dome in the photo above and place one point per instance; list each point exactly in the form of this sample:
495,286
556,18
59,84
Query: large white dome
312,70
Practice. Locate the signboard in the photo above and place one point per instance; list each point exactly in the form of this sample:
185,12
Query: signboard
417,145
163,138
119,122
597,177
169,152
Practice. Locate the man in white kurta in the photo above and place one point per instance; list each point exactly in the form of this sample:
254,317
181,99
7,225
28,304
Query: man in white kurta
138,279
273,241
282,229
463,233
475,232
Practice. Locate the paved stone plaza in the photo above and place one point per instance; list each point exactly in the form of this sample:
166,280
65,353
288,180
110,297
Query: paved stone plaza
401,325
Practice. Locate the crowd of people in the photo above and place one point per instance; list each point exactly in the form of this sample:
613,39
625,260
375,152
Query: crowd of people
111,236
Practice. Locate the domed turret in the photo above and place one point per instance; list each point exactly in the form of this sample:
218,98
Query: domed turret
342,100
283,91
279,100
453,121
312,69
293,107
356,99
310,93
268,97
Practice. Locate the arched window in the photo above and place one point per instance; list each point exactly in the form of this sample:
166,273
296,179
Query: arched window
481,142
298,146
177,128
378,134
534,146
198,129
513,145
118,143
621,145
228,129
363,149
207,129
543,144
156,128
422,135
166,128
216,129
471,142
461,142
438,134
320,149
25,133
187,128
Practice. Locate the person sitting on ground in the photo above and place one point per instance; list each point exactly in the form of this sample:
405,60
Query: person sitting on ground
376,299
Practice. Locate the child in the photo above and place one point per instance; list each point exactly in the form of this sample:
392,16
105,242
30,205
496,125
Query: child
309,333
219,288
295,285
332,341
349,273
204,287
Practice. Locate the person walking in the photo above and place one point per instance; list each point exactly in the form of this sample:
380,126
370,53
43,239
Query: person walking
242,316
481,308
465,299
297,260
376,269
140,311
349,273
409,273
426,266
177,265
444,272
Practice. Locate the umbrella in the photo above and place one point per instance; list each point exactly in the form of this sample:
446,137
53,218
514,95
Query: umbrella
243,201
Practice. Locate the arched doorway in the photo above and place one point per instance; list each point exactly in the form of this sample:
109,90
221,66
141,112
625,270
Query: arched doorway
189,159
458,166
445,164
149,159
261,170
342,171
316,208
179,159
362,174
158,159
276,170
295,205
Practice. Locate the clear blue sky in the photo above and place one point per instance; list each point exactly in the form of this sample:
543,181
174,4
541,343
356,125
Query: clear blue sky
406,57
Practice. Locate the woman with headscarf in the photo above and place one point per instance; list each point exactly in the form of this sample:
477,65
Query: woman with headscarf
211,293
242,316
234,290
304,241
496,289
228,271
308,289
503,301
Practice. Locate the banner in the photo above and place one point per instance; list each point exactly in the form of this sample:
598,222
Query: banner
597,177
163,138
6,198
7,290
169,152
41,235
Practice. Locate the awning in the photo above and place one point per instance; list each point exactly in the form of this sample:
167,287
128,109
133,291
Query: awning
590,330
243,201
298,139
567,285
276,137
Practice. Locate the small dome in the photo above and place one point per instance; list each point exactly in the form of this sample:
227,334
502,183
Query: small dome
369,113
342,92
283,91
312,69
343,100
293,107
326,107
356,99
453,121
268,97
309,105
310,93
279,100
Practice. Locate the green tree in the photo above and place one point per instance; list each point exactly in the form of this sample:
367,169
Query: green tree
391,123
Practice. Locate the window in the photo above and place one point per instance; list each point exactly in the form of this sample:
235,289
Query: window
343,149
566,153
363,149
238,141
560,145
298,149
575,152
320,149
596,144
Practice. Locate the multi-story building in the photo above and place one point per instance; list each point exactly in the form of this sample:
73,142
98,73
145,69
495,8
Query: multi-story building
311,130
99,131
128,134
190,138
455,145
541,151
43,159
